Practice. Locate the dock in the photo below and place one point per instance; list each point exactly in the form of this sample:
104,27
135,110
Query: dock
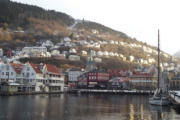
94,91
83,91
26,93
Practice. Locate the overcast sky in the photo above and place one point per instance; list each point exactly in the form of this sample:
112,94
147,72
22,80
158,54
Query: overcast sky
139,19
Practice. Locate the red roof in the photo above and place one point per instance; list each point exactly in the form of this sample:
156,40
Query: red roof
53,69
37,68
17,67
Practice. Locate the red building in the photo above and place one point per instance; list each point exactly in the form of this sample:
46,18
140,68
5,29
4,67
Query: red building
118,73
95,78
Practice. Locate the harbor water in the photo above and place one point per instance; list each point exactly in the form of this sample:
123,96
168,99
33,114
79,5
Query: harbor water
83,107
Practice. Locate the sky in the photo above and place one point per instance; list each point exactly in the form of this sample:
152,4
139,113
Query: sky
139,19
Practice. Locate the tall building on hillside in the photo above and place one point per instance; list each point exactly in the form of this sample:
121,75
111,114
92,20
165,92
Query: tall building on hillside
90,63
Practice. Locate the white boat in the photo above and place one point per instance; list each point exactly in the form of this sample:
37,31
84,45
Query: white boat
159,108
160,96
175,98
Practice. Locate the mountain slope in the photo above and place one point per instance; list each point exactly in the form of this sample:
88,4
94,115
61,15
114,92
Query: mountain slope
26,25
18,14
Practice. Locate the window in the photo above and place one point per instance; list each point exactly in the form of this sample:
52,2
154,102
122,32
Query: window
32,74
7,67
28,68
11,73
2,73
7,73
27,74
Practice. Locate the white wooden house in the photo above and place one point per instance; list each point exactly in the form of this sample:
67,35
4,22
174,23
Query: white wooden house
33,77
99,53
67,39
55,52
48,43
106,53
10,72
97,59
83,52
72,50
53,78
74,58
73,75
131,58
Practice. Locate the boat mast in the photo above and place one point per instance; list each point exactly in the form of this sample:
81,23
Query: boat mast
158,59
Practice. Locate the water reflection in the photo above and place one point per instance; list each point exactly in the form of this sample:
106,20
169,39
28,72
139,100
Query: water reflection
83,107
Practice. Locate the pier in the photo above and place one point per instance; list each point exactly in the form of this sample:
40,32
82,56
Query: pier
83,91
94,91
26,93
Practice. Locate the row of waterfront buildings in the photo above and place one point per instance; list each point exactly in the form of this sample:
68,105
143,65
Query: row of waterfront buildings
110,79
140,78
30,78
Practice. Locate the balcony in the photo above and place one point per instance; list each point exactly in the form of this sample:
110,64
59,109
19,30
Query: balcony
54,84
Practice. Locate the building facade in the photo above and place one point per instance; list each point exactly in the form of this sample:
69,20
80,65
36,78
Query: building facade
73,75
143,81
94,79
32,77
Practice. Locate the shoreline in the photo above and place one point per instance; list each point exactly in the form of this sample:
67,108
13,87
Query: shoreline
83,91
26,93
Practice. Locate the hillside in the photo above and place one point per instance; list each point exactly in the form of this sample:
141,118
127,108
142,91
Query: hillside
25,25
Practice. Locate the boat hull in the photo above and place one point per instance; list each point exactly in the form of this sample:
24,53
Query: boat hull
159,101
175,99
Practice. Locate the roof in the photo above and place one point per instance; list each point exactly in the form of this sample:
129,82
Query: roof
53,69
37,68
98,71
17,67
75,69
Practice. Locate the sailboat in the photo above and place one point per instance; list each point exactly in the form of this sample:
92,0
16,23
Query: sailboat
160,96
